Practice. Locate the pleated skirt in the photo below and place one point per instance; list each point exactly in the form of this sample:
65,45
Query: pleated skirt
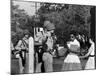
71,63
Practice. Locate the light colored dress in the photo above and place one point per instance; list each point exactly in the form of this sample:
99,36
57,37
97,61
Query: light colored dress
72,61
91,61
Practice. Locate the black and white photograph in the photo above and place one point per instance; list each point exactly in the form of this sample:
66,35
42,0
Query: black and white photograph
52,37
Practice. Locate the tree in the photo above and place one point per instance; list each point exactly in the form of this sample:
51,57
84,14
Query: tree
20,22
67,18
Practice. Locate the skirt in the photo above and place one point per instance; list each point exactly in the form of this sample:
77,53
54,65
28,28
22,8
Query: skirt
90,63
71,63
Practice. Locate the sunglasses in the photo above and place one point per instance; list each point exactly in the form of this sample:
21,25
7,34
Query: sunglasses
72,36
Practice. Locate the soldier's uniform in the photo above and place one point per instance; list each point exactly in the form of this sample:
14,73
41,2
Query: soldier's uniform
47,55
22,46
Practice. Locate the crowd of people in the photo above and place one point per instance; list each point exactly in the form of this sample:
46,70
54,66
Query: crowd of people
45,46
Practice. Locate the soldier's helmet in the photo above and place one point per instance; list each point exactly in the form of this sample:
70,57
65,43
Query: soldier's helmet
48,25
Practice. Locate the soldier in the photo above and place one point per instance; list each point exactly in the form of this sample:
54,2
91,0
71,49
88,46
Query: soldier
22,47
47,55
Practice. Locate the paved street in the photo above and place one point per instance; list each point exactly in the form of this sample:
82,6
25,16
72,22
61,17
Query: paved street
57,65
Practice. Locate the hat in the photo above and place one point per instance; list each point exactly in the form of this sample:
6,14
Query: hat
26,32
46,23
49,26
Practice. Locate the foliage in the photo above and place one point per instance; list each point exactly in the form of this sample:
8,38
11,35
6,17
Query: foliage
67,18
20,23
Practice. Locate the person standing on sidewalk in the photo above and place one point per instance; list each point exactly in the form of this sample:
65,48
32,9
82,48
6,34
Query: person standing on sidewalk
22,47
91,54
47,55
72,61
